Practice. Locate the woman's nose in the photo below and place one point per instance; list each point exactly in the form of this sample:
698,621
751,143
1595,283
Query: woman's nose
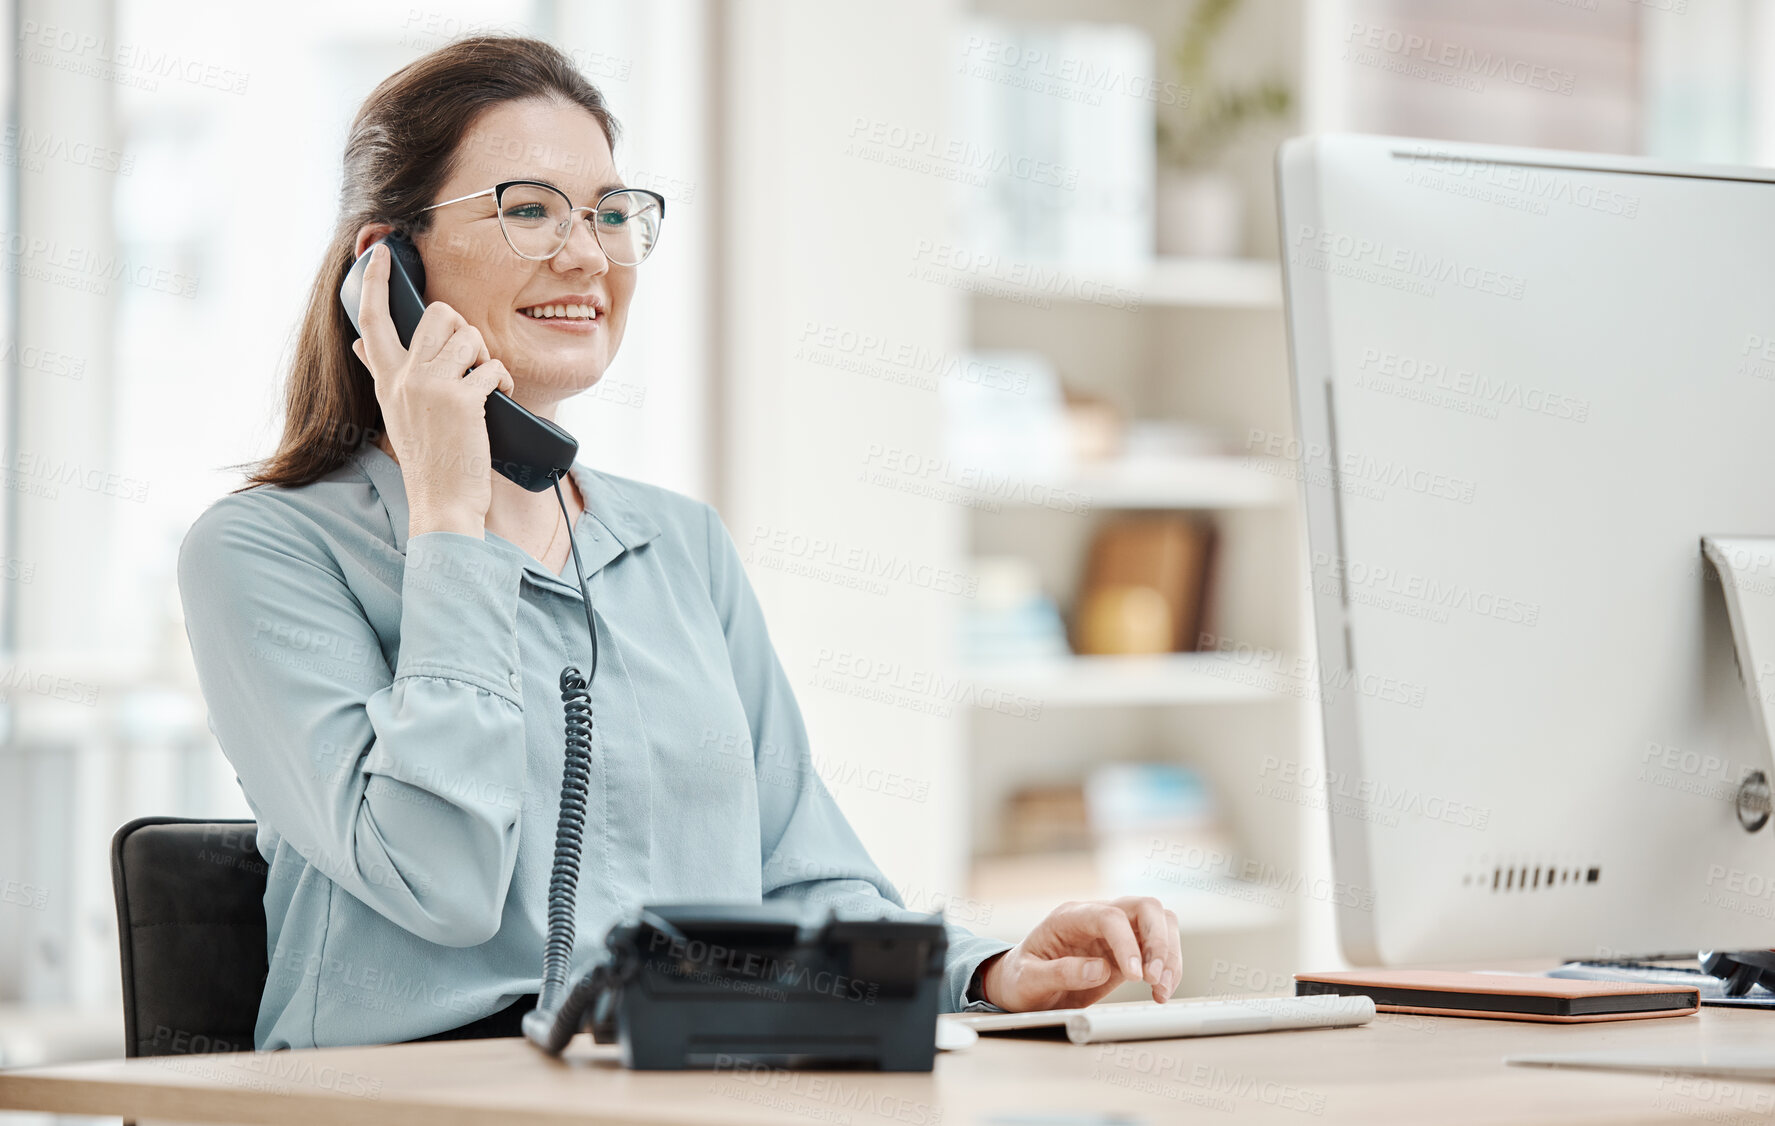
582,249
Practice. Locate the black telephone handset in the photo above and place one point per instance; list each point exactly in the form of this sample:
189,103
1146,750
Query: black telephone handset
531,451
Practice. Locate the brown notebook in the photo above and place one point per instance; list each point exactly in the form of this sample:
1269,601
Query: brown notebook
1451,993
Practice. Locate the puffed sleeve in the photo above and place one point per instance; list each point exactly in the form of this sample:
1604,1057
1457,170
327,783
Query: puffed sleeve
808,849
404,786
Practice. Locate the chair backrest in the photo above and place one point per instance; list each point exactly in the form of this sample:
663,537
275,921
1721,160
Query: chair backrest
191,934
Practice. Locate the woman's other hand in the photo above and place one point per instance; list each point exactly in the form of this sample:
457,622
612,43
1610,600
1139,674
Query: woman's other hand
1081,951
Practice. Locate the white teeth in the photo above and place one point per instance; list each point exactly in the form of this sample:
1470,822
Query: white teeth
583,312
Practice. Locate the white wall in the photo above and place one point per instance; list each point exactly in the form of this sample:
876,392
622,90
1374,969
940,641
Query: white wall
649,417
815,234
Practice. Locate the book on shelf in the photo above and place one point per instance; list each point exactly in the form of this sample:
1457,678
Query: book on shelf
1144,587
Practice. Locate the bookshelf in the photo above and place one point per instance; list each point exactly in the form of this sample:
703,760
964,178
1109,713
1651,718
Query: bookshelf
1129,682
1209,910
1197,341
1208,482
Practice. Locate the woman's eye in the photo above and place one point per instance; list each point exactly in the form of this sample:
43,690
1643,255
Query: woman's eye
613,218
534,212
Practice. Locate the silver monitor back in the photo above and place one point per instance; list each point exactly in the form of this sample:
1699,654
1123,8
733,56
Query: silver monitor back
1527,383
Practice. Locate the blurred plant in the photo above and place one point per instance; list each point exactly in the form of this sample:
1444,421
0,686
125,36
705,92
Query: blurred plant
1211,117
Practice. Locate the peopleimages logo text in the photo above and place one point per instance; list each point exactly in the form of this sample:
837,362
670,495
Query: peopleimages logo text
1458,57
98,52
1378,255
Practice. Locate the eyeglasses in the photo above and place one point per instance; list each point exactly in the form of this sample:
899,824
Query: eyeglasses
537,219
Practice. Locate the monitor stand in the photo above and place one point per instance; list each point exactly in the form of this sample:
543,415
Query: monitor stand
1746,569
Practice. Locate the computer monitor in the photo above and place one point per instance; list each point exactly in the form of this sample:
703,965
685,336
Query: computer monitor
1527,384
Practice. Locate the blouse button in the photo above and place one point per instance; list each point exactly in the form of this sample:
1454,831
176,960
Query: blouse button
514,680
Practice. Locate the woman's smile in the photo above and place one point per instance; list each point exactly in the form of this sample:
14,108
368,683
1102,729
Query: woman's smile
580,313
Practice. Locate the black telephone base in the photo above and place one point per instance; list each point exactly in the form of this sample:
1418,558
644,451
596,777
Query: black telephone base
776,985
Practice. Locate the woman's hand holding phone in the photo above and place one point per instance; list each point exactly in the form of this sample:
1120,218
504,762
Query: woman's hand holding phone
434,415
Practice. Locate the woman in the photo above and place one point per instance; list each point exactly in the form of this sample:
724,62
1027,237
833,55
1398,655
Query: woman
378,621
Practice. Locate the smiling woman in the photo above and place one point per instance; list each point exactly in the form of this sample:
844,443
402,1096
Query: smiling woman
482,110
404,772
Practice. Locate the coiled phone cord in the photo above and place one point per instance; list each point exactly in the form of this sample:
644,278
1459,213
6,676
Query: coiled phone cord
557,1014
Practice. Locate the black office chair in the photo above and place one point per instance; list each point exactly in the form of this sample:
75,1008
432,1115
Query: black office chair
191,934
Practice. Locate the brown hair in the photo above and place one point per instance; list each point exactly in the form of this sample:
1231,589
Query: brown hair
403,146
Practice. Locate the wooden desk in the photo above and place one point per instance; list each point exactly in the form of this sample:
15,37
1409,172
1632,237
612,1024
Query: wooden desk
1398,1069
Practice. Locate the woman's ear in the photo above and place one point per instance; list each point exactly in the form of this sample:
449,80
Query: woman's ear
369,233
